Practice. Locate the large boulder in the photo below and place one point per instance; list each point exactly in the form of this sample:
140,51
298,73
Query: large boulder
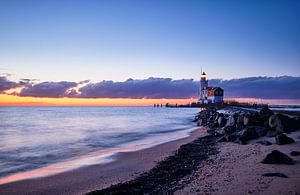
282,123
228,130
201,122
276,157
240,119
265,113
240,122
261,131
222,121
213,125
253,120
282,139
248,133
230,121
246,120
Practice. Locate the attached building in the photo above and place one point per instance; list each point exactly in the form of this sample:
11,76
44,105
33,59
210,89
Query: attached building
213,95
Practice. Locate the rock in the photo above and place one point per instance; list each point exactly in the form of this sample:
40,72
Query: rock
207,117
253,120
295,153
264,142
265,113
282,139
230,121
222,121
227,130
240,119
240,123
282,123
275,175
239,127
201,122
246,120
235,116
212,125
219,132
248,134
276,157
261,131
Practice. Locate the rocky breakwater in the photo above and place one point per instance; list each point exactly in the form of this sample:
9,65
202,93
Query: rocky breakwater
240,125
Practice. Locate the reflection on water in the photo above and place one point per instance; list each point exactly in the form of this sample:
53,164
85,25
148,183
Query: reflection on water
36,141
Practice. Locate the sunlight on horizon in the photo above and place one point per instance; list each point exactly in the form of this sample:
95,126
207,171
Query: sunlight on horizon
10,100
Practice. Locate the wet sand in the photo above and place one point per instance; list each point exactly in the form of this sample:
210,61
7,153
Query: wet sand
127,166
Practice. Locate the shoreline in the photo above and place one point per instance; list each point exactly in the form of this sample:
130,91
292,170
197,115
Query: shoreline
197,164
236,166
127,166
96,158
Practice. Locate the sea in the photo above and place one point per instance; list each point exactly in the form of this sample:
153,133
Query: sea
40,141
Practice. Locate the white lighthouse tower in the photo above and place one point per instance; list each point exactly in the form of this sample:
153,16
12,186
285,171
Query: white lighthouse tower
203,84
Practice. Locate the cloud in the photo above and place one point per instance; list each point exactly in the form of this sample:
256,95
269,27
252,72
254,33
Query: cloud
48,89
84,82
6,84
284,87
147,88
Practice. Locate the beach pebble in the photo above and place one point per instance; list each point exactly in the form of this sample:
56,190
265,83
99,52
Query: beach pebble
275,175
283,139
276,157
295,153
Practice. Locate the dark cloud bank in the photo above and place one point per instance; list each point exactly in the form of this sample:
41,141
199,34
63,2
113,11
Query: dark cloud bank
284,87
5,84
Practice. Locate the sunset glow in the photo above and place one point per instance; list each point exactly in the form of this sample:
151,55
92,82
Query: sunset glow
9,100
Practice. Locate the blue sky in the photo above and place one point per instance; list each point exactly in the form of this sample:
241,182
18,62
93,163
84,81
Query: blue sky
116,39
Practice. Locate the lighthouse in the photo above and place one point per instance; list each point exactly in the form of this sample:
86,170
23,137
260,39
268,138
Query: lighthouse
209,94
203,85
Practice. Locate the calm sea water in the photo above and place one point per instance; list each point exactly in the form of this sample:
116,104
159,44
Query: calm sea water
35,141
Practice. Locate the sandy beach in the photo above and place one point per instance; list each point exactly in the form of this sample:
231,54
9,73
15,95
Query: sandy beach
127,166
237,169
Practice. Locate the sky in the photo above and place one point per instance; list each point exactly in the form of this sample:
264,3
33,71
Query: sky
65,43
